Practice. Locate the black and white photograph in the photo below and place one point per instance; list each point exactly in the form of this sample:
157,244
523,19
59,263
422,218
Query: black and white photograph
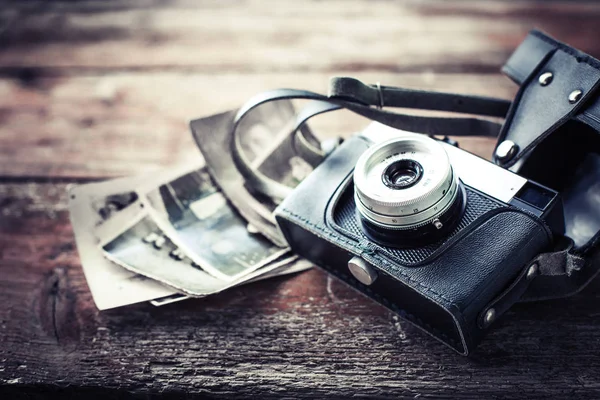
279,267
101,210
142,248
208,230
268,143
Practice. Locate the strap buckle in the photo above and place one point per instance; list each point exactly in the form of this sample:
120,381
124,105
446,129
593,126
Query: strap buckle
381,104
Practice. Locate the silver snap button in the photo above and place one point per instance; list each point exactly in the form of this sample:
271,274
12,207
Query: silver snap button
362,271
489,317
574,96
545,78
506,150
532,271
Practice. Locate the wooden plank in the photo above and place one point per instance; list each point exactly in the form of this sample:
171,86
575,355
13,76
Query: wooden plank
123,124
252,36
305,336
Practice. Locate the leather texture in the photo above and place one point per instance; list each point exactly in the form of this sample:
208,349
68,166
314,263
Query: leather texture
538,110
554,136
342,217
447,291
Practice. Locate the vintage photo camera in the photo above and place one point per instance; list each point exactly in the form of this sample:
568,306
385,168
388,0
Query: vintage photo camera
428,230
443,238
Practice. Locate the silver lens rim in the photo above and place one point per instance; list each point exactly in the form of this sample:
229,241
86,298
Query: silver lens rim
411,207
409,221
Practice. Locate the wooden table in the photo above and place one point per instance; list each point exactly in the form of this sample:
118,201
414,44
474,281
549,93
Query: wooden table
93,90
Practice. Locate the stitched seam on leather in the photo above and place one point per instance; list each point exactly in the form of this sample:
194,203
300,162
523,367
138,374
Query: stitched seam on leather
390,304
515,106
570,115
579,56
362,250
331,224
496,299
456,345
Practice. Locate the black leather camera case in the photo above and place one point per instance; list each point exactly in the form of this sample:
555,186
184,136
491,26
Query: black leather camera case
444,288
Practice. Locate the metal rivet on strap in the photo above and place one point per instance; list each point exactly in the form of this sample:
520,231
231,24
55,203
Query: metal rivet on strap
506,150
574,96
532,271
489,317
545,78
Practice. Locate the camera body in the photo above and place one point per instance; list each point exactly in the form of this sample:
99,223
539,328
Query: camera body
451,266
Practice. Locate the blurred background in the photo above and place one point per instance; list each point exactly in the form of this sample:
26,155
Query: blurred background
97,89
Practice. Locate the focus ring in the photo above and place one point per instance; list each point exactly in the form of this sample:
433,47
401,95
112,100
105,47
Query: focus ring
402,203
410,221
412,205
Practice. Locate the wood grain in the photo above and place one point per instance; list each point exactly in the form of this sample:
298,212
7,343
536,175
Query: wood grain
91,83
250,36
96,126
305,336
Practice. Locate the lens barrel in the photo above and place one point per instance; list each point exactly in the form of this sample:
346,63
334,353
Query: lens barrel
406,191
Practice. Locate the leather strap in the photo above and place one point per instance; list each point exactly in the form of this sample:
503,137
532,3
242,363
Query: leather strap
303,146
536,47
388,96
561,273
362,99
539,109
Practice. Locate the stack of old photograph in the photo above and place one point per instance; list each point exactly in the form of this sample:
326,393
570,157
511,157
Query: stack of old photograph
172,235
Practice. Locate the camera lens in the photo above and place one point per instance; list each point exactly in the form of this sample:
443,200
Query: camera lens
405,190
402,174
